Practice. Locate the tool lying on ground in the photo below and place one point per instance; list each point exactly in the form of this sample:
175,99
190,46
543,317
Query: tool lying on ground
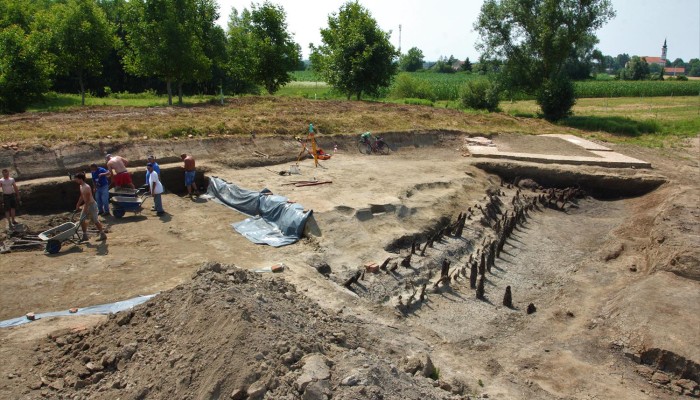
306,183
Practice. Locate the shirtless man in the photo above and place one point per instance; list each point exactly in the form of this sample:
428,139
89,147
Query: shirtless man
190,174
89,209
116,166
10,197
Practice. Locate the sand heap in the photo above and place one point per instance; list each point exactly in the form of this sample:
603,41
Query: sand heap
226,334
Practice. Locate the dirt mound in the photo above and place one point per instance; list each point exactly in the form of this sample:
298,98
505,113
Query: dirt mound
226,334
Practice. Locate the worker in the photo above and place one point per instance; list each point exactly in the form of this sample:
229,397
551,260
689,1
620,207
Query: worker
156,188
101,189
190,174
89,209
10,197
116,166
156,167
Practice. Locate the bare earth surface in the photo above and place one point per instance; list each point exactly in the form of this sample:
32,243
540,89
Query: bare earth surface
615,284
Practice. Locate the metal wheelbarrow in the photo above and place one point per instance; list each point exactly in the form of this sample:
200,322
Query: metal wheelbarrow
122,204
66,232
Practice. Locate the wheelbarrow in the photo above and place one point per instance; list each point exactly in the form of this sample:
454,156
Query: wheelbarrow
123,204
67,232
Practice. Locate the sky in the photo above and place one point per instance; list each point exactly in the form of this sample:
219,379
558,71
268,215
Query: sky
446,28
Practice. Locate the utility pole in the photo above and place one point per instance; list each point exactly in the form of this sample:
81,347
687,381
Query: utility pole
399,38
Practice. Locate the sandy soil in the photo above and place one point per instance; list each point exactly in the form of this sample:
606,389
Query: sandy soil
600,310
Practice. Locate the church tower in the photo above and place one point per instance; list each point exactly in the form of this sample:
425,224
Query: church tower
663,52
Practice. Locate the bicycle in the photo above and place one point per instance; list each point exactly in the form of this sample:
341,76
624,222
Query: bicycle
369,144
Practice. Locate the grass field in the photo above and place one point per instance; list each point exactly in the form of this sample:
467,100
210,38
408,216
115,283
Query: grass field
62,101
651,121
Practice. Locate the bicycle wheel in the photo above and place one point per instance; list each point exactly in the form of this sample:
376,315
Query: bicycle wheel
383,148
364,148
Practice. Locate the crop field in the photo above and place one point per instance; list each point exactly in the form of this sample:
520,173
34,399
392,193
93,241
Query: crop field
441,87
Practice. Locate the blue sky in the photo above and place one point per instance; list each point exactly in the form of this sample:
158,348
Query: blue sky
445,28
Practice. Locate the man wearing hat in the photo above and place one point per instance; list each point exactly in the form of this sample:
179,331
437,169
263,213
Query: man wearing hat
156,188
116,165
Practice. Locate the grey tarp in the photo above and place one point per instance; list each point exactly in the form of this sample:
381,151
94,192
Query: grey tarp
272,221
99,309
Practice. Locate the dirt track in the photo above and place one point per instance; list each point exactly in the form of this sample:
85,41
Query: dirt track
590,311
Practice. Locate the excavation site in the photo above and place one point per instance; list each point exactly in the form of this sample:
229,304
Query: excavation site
457,266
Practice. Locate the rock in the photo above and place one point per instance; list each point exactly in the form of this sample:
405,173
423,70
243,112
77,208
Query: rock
238,394
428,369
350,380
314,369
645,371
129,350
686,384
445,386
93,367
660,377
317,390
35,384
257,390
411,365
58,384
323,268
124,318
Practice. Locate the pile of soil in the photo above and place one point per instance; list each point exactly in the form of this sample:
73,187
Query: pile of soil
226,334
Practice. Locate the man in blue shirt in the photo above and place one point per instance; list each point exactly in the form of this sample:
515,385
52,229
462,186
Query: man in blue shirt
156,167
101,189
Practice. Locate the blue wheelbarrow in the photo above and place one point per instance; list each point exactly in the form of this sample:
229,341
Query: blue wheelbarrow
123,204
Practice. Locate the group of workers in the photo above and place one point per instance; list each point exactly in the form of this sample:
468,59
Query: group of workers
94,201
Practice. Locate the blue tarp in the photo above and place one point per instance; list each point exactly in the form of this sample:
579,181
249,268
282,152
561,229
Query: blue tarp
110,308
272,220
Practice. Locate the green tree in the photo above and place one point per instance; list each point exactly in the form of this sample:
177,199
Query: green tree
24,69
536,37
239,49
356,56
636,69
165,40
444,65
694,67
678,62
467,65
81,39
274,52
412,61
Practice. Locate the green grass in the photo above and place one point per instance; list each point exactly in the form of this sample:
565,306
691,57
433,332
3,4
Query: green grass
650,122
61,101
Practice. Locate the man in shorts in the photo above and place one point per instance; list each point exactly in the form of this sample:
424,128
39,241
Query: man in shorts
10,197
89,209
190,174
116,166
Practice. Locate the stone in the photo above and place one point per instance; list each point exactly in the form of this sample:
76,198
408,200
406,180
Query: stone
428,369
257,390
531,309
350,380
129,350
323,269
645,371
445,386
238,394
660,377
92,367
124,318
508,298
686,384
35,384
315,369
411,365
317,390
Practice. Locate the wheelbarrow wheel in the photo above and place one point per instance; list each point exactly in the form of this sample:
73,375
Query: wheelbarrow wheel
53,246
118,212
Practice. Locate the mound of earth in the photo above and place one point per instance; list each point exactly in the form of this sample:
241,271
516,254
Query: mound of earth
226,334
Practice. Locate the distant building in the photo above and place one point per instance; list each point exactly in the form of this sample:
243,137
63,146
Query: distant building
674,71
661,61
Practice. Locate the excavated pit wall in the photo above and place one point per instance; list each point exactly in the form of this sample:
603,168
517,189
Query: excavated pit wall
42,172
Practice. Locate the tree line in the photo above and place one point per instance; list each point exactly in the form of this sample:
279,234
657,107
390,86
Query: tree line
176,46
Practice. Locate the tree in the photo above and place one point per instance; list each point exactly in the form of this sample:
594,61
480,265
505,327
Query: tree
239,50
165,40
81,39
694,67
24,69
275,52
412,61
467,66
443,65
534,38
678,62
636,69
356,56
